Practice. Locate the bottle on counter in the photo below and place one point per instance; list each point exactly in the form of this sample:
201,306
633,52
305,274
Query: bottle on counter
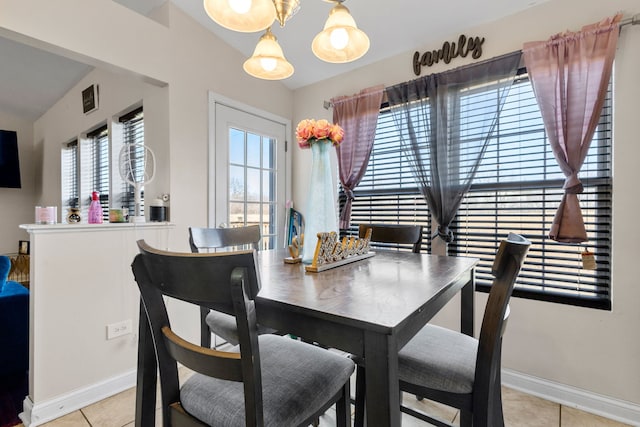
95,209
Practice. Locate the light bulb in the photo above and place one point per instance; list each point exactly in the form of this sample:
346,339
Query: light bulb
268,64
240,6
339,38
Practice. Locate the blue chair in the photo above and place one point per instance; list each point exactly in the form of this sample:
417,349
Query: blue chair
14,318
14,342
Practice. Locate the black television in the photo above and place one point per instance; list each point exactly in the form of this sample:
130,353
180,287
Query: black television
9,163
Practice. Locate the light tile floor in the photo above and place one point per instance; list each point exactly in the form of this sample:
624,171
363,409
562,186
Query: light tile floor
520,410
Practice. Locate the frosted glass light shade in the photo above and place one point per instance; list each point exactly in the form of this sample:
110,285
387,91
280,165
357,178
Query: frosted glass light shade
268,61
246,16
340,40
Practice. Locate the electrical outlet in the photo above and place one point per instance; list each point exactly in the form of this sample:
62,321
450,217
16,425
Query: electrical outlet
119,329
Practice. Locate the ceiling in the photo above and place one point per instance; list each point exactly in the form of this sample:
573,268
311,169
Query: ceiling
33,80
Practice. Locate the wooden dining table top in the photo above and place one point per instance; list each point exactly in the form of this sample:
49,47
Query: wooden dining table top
377,293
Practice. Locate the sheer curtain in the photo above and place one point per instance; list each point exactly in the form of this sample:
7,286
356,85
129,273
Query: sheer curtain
442,142
358,116
570,73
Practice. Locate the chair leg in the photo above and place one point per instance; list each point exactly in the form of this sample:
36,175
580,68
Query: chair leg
495,404
343,407
360,397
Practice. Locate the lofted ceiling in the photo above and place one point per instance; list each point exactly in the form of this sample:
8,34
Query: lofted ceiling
33,80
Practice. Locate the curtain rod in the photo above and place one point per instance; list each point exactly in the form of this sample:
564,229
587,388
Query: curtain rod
633,20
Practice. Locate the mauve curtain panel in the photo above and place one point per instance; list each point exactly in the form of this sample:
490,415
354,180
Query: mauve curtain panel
358,116
570,73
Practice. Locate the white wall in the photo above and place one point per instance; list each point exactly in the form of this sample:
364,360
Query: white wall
16,204
98,33
584,348
82,282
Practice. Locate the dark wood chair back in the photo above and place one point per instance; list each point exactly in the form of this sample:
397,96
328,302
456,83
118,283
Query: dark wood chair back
482,407
188,277
487,401
205,239
215,238
394,233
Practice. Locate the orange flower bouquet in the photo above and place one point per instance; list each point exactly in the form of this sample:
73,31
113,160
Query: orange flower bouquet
309,131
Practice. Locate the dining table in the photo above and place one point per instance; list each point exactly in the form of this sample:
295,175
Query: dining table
369,308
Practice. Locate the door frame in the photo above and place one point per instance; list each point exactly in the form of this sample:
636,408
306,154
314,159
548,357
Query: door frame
217,99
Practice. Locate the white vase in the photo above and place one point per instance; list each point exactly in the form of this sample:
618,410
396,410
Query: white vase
321,214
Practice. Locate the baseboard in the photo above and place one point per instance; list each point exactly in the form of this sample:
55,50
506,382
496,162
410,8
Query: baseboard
615,409
38,413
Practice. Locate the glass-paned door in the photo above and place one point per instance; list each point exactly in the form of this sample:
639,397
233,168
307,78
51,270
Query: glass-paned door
249,175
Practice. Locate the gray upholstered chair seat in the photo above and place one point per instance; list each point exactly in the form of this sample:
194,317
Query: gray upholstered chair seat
224,326
297,379
440,359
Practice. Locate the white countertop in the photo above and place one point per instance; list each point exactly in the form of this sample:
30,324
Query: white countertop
107,226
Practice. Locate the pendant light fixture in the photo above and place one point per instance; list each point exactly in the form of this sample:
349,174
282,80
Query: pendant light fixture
268,61
245,16
285,9
340,41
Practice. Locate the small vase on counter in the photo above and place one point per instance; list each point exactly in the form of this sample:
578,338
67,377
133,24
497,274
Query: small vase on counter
73,216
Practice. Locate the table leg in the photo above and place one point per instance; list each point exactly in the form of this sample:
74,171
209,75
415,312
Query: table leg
146,375
467,306
383,391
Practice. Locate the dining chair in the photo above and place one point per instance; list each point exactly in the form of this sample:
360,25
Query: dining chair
208,239
201,238
267,380
459,370
410,234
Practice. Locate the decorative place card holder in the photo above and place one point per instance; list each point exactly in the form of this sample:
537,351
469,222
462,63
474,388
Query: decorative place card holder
331,253
295,250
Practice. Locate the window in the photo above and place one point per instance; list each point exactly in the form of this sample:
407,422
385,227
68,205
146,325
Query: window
97,174
90,163
132,133
70,176
85,168
387,193
517,188
252,183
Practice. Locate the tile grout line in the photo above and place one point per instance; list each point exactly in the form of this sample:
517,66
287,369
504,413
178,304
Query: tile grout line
85,417
559,415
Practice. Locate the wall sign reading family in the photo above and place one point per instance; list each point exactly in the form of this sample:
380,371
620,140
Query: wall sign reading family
448,51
